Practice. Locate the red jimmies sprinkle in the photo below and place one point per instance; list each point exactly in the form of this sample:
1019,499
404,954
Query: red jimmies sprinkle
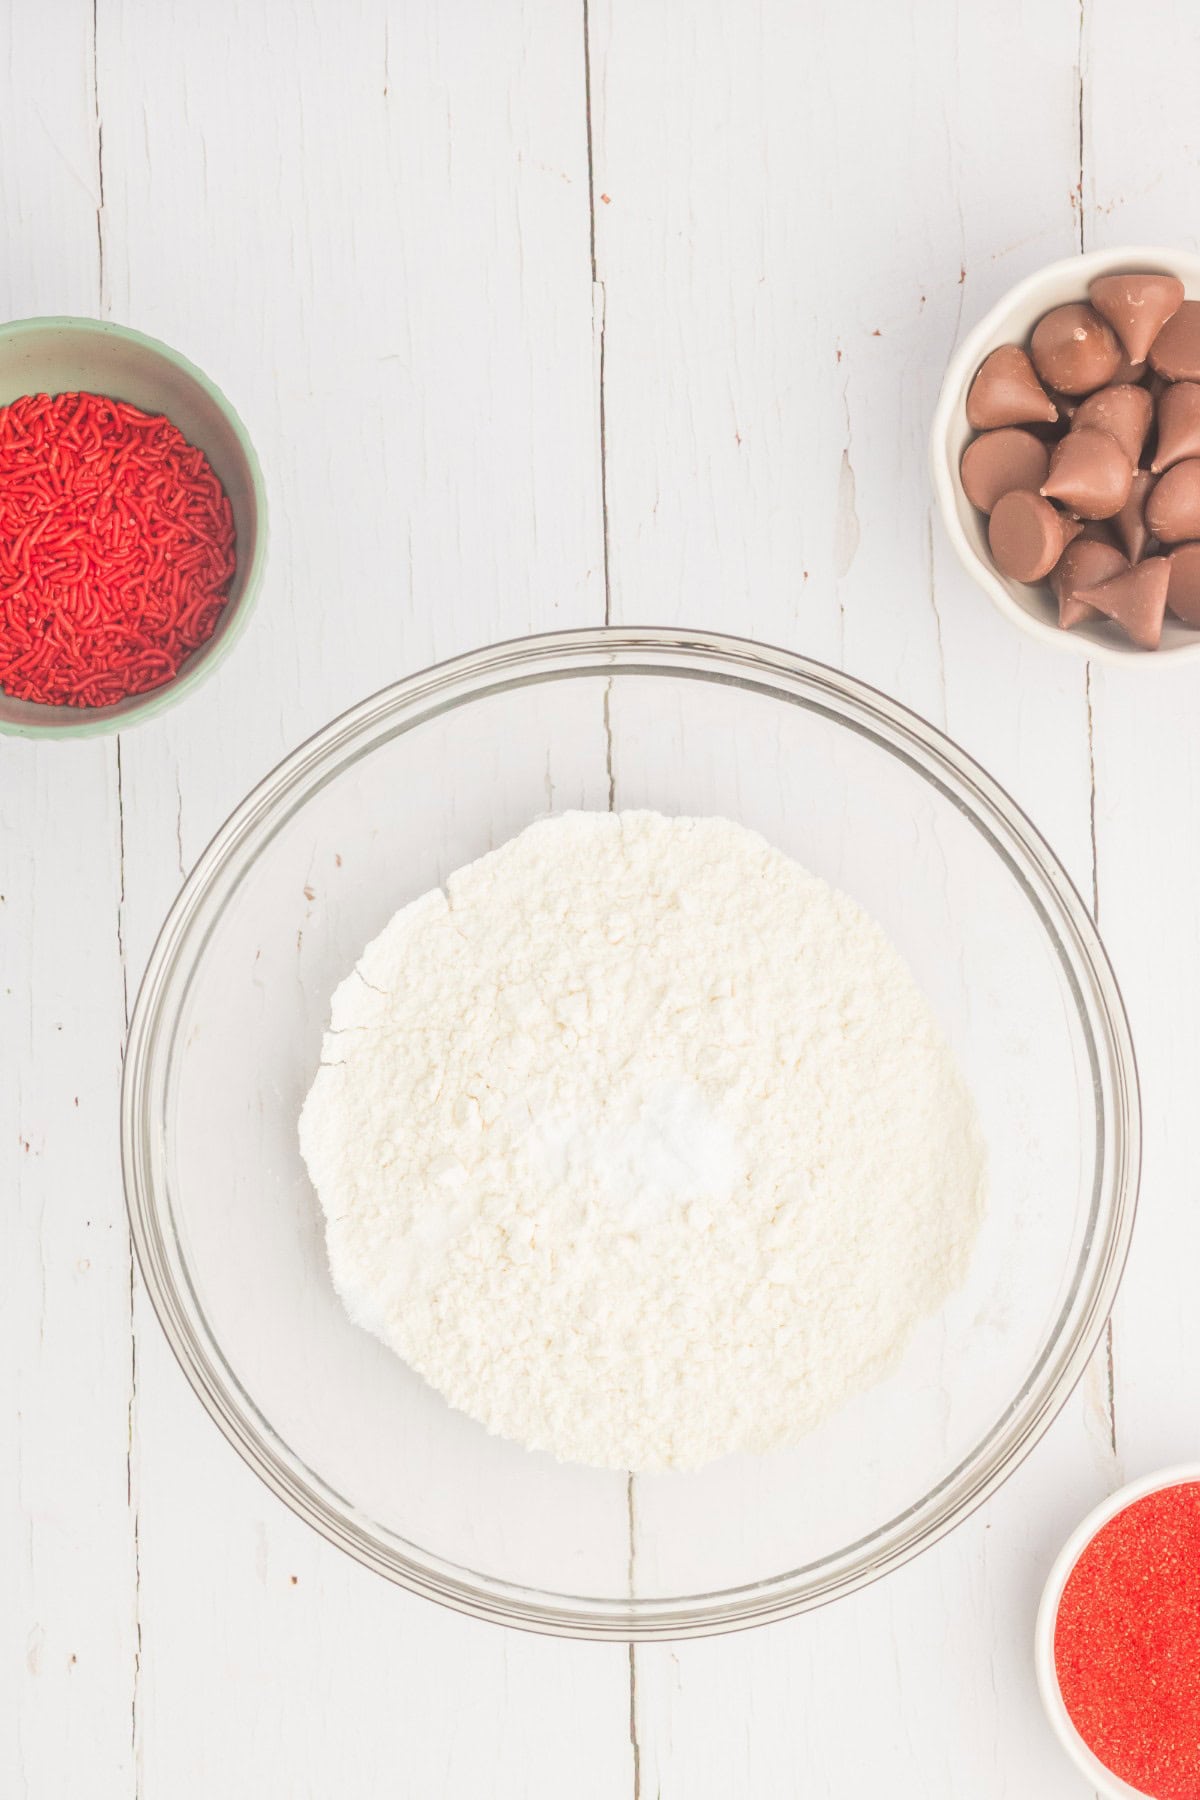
1127,1644
116,549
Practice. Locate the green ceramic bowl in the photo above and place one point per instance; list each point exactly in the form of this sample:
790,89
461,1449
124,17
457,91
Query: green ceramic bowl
58,356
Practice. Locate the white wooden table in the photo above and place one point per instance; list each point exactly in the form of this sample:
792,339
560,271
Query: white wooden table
543,312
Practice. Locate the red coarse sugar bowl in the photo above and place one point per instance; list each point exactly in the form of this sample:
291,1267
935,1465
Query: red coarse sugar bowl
132,527
1117,1643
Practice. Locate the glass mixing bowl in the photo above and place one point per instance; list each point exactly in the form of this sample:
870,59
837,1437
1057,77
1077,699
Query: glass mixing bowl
381,806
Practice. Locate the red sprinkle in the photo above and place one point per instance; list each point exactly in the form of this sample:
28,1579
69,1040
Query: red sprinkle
1127,1644
116,549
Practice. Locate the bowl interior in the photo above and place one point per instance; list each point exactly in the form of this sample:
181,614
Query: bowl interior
1011,321
57,356
228,1037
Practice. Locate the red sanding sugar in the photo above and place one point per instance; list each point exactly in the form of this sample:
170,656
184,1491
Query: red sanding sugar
116,549
1127,1644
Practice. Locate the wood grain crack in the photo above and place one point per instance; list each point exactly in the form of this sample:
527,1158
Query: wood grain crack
634,1740
179,823
633,1724
1080,117
1110,1373
846,530
121,891
609,767
101,273
1091,748
131,1492
599,310
937,617
131,1497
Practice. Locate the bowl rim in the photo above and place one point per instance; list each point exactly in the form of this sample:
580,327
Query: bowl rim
99,721
780,674
960,370
1109,1785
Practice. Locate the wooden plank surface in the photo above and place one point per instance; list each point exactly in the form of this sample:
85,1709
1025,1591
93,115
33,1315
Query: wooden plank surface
1142,186
441,260
68,1556
418,373
784,278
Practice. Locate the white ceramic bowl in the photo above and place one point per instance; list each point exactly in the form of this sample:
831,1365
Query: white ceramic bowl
1102,1779
1010,322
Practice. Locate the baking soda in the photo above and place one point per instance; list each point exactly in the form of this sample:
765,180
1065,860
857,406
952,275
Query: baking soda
640,1143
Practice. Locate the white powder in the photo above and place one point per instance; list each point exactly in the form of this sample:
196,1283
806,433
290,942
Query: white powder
640,1143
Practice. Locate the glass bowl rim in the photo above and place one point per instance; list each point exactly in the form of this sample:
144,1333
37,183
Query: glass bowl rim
781,675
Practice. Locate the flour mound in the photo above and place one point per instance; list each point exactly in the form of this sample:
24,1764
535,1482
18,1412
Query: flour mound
640,1144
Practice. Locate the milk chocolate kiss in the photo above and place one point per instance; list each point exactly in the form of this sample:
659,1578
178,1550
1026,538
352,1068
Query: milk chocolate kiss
1099,531
1074,350
1173,508
1082,565
1027,535
998,461
1128,370
1183,588
1136,600
1006,391
1175,352
1178,425
1124,411
1133,534
1137,307
1089,472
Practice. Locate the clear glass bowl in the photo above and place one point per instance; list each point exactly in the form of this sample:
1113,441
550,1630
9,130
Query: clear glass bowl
381,806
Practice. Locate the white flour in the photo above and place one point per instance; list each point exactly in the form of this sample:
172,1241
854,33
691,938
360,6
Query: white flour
640,1143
